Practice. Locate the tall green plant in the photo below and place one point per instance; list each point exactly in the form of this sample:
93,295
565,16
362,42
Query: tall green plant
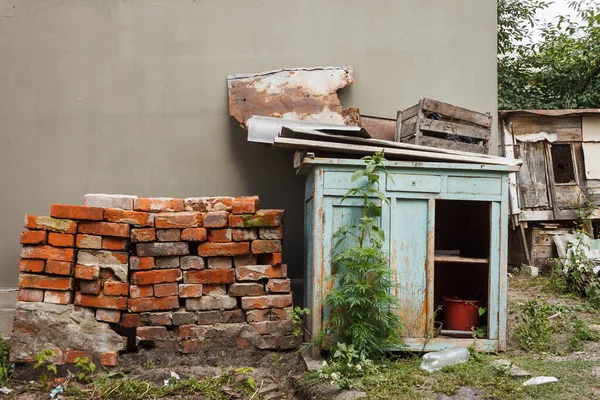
361,305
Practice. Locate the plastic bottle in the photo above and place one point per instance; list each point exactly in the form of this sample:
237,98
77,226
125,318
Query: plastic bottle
437,360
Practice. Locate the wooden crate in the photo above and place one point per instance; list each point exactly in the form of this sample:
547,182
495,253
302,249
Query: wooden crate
436,124
542,245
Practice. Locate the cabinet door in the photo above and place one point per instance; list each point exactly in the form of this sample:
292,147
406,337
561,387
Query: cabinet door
411,236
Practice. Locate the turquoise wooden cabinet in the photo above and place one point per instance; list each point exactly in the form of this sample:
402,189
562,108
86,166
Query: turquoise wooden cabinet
446,235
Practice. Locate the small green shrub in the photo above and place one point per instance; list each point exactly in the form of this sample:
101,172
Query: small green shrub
6,367
44,360
84,369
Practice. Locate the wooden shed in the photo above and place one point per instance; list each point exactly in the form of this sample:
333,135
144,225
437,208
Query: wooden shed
560,150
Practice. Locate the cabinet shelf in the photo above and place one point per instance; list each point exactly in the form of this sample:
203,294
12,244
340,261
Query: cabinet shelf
461,260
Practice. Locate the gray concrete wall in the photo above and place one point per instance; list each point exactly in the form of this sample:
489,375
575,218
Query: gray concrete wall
130,96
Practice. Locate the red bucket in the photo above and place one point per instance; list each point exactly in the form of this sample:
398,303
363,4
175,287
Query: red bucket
461,315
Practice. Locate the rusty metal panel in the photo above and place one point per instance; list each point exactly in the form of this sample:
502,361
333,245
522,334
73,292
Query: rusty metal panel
301,94
379,128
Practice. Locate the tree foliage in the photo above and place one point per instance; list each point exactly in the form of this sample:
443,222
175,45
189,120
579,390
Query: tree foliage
561,70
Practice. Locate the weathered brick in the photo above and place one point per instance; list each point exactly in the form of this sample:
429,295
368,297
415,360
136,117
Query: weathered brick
117,262
45,282
109,359
191,262
104,229
153,304
131,320
244,235
86,272
246,259
152,333
88,241
194,234
209,249
141,263
208,317
143,235
257,272
113,243
165,290
157,319
262,218
34,237
90,287
155,276
31,295
166,262
187,290
186,331
209,276
273,327
158,204
71,355
211,303
136,218
208,204
61,239
191,346
271,233
233,316
270,301
214,290
136,291
222,235
168,235
266,246
185,219
219,263
100,301
246,289
113,316
162,249
183,318
31,265
47,253
279,286
121,201
245,205
68,211
216,219
58,297
269,259
50,224
58,267
116,288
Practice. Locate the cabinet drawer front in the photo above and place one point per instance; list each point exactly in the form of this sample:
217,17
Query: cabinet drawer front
478,185
414,183
341,180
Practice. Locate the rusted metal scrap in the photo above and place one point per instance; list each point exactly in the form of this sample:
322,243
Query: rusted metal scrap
301,94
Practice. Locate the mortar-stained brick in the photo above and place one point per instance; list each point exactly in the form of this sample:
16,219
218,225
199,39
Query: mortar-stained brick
162,249
262,218
157,319
113,316
191,262
50,224
266,246
257,272
270,301
244,235
271,233
214,290
143,235
187,290
246,289
141,263
217,219
58,297
168,235
136,291
208,204
222,235
166,262
90,287
31,295
122,201
136,218
279,286
158,204
245,205
211,303
83,241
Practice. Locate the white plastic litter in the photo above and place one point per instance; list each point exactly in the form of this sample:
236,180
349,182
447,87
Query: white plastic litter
437,360
540,380
5,390
173,375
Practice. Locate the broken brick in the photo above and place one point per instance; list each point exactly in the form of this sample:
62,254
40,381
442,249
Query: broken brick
113,316
86,272
50,224
191,262
141,263
108,359
208,204
257,272
158,204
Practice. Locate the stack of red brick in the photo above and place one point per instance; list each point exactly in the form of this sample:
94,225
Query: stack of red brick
176,270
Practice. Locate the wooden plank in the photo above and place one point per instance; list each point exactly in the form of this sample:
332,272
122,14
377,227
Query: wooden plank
494,271
410,112
550,173
592,161
451,144
532,178
398,126
568,129
408,129
442,343
590,129
503,270
568,196
316,258
458,112
430,269
379,128
460,260
454,128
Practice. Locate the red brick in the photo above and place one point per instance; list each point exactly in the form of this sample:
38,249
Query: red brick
143,235
245,205
262,218
153,304
34,237
135,218
47,253
273,327
113,316
211,303
191,262
31,265
194,234
100,301
219,263
208,204
31,295
257,272
76,212
104,229
207,318
141,263
246,289
162,249
116,289
271,233
131,320
59,268
217,219
186,219
168,235
160,318
71,355
152,333
220,235
190,290
136,291
108,359
272,314
61,239
270,259
209,249
86,273
244,235
88,241
233,316
58,297
191,346
158,204
45,282
155,276
247,259
90,287
266,246
214,290
209,276
279,285
270,301
112,243
50,224
165,290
